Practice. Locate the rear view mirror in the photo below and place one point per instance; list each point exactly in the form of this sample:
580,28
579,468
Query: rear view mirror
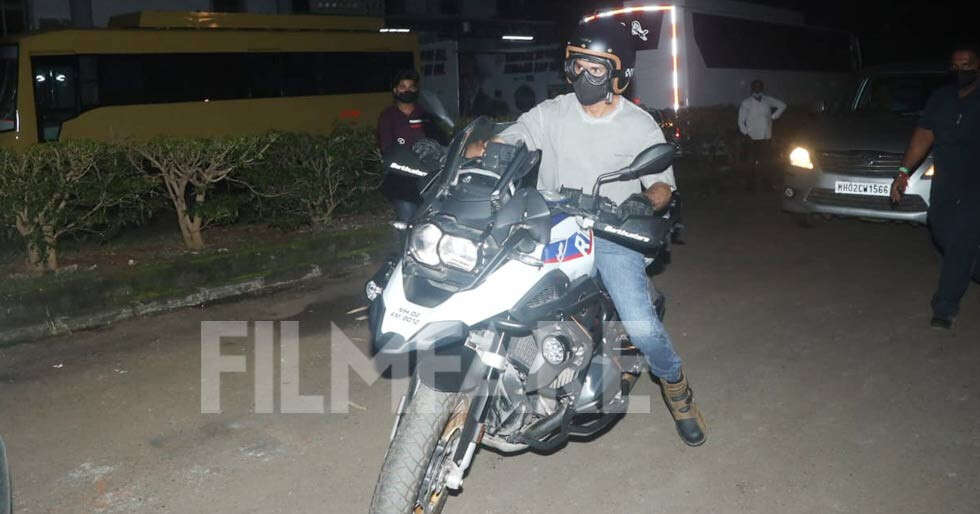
651,161
4,481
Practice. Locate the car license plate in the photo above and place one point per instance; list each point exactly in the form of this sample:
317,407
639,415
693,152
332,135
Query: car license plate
862,188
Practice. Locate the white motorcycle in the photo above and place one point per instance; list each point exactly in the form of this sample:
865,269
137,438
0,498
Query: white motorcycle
496,296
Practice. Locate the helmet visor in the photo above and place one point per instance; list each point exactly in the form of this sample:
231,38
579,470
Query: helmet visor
596,70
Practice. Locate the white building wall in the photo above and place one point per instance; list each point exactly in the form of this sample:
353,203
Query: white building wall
507,84
445,85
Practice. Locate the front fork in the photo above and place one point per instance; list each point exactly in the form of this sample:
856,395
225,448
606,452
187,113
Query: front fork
490,363
494,362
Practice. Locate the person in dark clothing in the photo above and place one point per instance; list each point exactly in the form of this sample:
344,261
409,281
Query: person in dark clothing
402,124
950,125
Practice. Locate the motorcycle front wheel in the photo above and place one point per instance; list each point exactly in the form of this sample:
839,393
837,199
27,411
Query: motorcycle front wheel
412,478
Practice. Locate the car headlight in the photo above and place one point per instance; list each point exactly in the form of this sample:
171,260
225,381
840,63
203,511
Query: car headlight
458,252
424,244
930,172
800,157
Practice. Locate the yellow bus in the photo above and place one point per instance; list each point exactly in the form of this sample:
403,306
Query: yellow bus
156,73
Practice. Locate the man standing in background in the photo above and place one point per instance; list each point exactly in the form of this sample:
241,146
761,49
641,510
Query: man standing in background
402,124
755,117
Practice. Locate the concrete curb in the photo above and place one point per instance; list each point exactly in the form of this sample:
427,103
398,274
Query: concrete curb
356,248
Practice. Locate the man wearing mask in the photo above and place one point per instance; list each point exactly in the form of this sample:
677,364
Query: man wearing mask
755,117
402,124
950,125
595,130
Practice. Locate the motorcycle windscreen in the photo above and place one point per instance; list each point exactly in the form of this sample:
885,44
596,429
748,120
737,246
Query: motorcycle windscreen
463,149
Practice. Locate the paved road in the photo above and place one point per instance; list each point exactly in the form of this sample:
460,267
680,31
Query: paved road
809,350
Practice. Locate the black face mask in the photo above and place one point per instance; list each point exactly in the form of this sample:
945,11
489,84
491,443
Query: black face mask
964,78
407,97
587,93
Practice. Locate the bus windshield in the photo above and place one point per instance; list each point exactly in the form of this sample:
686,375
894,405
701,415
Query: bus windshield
8,88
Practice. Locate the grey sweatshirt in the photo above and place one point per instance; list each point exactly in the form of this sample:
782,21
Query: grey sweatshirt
576,148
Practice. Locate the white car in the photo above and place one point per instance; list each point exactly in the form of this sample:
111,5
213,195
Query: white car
845,163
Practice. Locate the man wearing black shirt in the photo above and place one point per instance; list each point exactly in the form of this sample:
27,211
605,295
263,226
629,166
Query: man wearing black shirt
950,125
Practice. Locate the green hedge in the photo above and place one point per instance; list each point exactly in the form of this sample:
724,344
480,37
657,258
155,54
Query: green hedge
95,190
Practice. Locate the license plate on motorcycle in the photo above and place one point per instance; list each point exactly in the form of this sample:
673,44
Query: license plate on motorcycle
862,188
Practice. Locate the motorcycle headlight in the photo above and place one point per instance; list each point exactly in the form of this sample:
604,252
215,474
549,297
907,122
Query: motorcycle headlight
458,252
424,244
800,157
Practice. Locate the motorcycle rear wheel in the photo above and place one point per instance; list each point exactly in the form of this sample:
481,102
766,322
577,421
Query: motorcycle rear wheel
412,476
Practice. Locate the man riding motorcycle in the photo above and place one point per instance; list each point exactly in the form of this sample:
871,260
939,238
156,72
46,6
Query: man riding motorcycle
593,129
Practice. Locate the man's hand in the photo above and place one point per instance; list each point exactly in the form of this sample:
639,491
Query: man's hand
475,149
898,187
659,195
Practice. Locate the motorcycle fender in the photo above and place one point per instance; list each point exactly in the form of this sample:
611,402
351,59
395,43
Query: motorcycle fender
451,369
432,336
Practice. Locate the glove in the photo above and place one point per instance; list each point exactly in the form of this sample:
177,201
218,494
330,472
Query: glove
431,153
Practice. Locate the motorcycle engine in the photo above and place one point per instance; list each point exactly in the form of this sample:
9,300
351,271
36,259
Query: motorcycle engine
542,368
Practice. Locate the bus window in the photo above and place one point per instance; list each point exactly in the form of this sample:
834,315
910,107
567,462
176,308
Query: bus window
727,42
300,80
55,93
66,86
88,81
265,70
120,79
8,88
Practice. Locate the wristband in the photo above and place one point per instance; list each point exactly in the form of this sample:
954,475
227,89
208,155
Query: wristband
904,170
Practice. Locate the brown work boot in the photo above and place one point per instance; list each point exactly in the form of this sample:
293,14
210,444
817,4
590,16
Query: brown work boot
679,398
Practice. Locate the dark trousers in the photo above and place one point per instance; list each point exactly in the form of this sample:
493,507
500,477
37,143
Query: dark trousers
955,228
756,153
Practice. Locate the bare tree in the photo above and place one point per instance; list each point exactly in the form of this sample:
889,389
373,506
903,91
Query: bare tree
58,188
189,167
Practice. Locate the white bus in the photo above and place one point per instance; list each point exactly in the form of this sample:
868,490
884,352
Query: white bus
691,53
694,53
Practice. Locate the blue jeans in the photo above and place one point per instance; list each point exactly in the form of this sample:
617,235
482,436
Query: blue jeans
623,272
